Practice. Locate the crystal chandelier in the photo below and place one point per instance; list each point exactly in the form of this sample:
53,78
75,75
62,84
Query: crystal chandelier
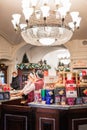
47,22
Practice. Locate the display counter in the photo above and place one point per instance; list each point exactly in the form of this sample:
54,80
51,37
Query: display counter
15,115
60,117
39,116
11,101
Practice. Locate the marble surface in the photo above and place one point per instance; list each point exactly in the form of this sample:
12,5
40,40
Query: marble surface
54,106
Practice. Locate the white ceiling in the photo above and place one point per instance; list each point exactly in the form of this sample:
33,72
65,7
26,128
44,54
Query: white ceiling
8,7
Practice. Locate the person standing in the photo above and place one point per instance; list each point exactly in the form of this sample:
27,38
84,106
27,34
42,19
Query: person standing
39,83
15,84
35,82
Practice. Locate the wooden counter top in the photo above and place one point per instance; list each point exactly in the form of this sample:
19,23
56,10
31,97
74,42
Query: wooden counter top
11,98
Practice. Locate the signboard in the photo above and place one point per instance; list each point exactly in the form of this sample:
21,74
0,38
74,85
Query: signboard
50,79
79,64
71,91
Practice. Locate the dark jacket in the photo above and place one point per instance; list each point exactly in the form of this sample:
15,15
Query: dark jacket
15,83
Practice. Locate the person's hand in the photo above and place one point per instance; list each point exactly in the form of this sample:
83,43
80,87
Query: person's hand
16,94
19,94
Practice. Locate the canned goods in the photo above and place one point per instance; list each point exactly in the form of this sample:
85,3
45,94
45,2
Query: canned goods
43,94
63,100
71,101
57,99
49,92
84,100
49,100
79,100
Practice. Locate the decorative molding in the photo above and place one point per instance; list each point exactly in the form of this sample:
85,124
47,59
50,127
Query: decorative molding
77,119
11,115
5,36
52,119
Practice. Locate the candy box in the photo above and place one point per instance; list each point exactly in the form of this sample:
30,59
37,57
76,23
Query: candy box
4,95
59,91
83,91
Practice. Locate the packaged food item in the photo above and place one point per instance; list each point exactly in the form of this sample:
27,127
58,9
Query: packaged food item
63,100
83,91
37,96
71,90
71,101
57,99
79,100
49,96
43,94
59,91
84,100
49,100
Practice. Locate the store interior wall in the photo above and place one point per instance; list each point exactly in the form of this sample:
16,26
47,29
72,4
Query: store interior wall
53,59
14,53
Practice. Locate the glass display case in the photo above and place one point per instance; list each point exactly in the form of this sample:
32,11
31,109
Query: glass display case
2,77
3,73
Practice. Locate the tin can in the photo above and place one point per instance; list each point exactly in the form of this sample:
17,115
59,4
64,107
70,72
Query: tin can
79,100
49,92
84,100
49,100
63,100
57,99
71,101
43,94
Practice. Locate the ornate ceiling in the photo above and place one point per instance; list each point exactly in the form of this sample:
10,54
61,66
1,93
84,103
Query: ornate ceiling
7,8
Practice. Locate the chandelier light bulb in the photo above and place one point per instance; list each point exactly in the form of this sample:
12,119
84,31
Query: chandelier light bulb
33,2
67,6
57,2
45,2
14,24
71,25
45,11
74,16
78,22
47,41
16,18
27,13
25,4
62,12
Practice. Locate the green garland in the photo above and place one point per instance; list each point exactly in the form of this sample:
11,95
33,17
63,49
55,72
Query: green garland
62,67
33,66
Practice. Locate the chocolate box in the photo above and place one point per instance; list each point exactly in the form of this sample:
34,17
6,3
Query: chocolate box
60,91
83,91
4,95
